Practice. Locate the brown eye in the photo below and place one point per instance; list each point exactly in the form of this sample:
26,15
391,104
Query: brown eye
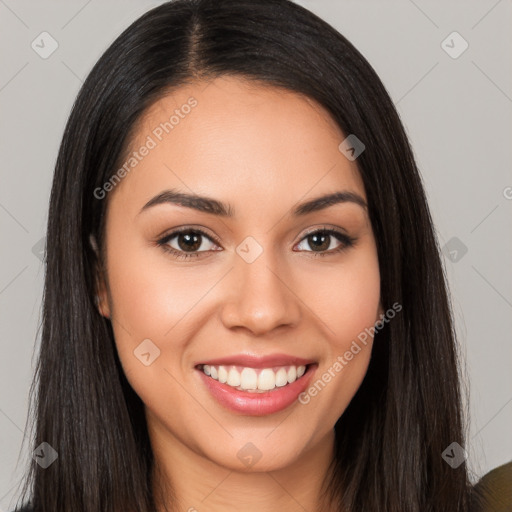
187,242
319,241
324,240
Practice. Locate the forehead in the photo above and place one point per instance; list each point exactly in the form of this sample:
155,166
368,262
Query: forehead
235,137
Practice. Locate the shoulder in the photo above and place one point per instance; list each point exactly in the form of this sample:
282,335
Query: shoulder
25,508
493,492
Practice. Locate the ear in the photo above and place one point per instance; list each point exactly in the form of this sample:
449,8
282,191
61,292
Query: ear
101,297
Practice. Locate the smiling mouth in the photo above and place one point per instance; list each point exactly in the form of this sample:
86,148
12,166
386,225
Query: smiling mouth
254,380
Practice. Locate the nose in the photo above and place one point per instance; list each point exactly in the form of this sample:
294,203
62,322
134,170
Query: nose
261,296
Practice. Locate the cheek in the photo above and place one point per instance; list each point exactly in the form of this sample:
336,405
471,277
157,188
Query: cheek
149,294
346,298
350,308
148,302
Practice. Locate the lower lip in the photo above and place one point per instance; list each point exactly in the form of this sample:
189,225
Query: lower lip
258,404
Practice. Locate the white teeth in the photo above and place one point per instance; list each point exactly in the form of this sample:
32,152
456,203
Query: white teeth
256,380
234,378
281,378
267,379
248,379
223,374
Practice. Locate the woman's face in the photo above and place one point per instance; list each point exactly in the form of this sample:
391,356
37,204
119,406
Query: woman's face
259,292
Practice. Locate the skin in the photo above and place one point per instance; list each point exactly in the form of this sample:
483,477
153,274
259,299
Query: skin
262,150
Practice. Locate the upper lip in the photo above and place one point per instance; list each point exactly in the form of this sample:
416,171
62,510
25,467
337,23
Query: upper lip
253,361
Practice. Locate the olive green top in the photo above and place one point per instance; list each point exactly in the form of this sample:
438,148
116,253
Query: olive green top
493,492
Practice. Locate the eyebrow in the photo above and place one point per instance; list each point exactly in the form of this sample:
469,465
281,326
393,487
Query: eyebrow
213,206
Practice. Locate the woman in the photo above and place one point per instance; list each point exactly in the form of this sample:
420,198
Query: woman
245,307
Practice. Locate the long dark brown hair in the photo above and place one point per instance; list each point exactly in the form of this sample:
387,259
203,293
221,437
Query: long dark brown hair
410,406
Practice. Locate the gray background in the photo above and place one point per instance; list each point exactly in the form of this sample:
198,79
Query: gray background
457,112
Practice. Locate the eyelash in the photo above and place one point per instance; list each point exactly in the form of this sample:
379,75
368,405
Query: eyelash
346,242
